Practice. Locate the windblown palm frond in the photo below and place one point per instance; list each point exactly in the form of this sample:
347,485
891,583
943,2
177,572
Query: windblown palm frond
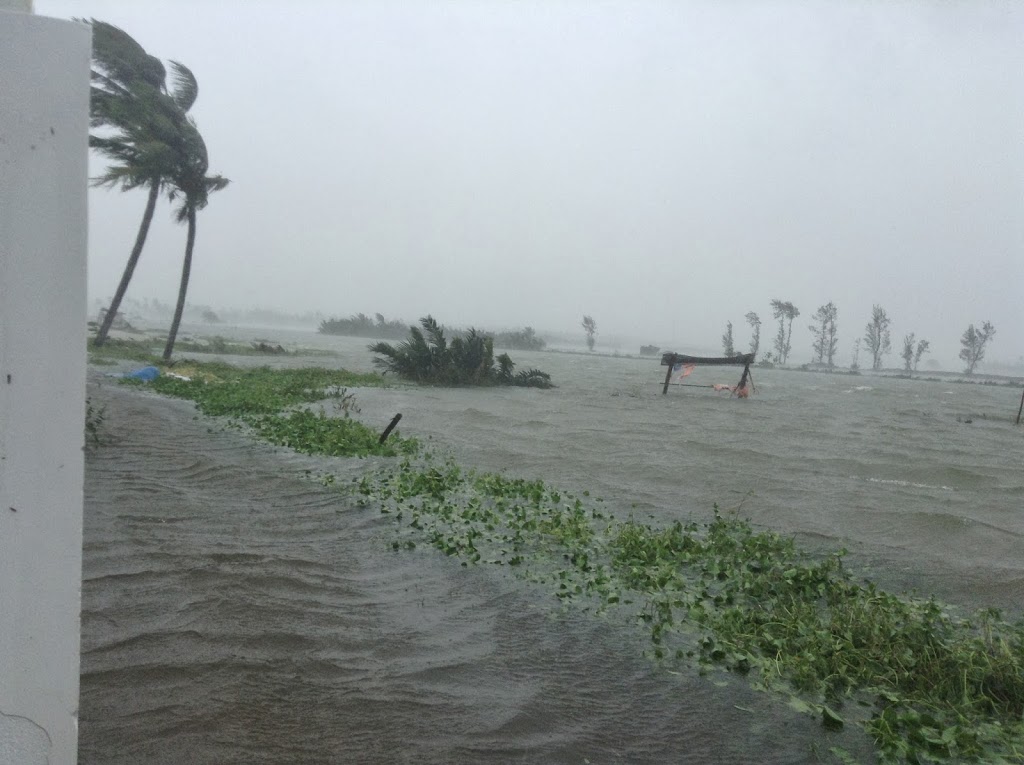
186,87
505,367
533,378
120,61
141,129
435,333
133,163
530,378
473,355
411,358
189,181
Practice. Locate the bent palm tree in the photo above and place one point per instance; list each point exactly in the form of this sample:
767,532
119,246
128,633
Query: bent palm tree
194,187
129,97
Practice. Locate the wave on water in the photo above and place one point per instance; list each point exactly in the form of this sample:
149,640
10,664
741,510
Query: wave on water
480,414
911,484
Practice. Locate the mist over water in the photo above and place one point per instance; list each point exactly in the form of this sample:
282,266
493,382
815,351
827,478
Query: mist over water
235,610
664,167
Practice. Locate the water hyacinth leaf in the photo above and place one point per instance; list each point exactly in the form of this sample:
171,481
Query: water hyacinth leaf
830,718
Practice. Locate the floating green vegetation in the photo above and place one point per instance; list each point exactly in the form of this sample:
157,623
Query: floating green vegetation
316,433
428,357
263,399
925,685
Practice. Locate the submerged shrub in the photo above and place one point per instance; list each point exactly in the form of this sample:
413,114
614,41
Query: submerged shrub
428,357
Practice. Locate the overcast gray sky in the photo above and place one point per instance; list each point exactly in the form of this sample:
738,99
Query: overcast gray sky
665,167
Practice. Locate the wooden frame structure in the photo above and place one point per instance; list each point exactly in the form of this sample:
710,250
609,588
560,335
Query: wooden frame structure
744,360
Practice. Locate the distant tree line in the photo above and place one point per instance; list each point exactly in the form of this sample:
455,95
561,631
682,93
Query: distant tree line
877,338
156,309
525,339
361,325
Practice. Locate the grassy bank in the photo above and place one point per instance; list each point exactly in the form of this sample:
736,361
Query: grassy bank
148,351
269,402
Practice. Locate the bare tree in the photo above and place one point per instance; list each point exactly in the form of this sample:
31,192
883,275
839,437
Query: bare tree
877,337
590,327
922,349
791,313
855,361
779,344
974,342
727,347
824,331
755,323
785,312
908,352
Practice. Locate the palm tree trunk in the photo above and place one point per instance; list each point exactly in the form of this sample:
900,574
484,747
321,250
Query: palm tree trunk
186,269
129,269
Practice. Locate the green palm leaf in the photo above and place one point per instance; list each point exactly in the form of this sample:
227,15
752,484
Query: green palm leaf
186,88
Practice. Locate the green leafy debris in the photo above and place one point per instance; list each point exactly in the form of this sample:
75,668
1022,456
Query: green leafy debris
925,685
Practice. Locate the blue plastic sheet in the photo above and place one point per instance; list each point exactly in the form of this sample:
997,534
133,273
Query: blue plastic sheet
146,374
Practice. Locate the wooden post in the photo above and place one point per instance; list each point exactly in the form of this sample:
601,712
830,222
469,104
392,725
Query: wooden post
743,377
1021,408
389,428
668,376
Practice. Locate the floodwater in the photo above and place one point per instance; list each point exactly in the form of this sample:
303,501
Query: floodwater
236,611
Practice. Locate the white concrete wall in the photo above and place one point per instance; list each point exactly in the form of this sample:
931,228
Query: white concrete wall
44,95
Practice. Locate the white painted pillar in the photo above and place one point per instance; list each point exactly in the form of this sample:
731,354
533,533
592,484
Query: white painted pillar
44,111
